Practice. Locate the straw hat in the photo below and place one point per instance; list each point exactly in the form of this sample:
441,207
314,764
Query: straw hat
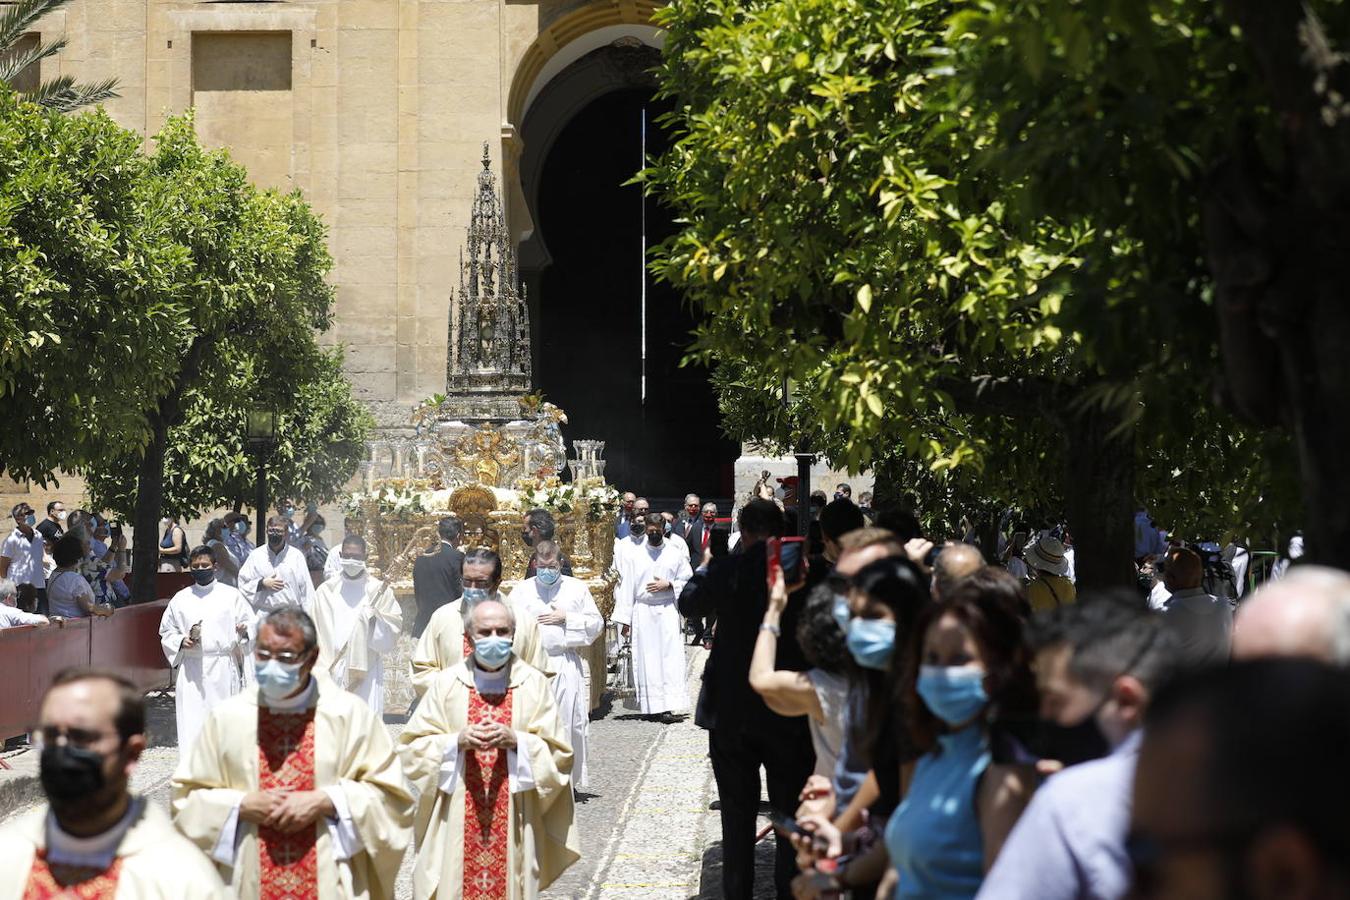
1047,554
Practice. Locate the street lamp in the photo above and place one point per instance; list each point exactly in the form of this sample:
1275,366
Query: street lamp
261,432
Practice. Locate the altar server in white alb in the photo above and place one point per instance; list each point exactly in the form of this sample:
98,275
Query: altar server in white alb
359,621
651,578
569,621
205,634
275,575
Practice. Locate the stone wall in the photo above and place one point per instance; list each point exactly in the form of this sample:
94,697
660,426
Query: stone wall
375,109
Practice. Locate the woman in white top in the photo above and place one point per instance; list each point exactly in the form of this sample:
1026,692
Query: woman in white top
821,693
69,595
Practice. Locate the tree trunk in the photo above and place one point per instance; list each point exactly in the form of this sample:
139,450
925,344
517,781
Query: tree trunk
1099,499
149,496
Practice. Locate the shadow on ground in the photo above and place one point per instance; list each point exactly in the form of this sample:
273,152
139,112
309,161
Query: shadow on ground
710,878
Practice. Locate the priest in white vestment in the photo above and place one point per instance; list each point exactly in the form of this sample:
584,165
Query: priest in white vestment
204,633
276,575
93,839
569,622
294,789
651,578
487,754
359,621
443,644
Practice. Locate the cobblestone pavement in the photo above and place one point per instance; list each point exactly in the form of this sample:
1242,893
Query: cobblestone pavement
647,829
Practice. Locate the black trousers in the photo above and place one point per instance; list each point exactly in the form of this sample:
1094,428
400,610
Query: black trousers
736,757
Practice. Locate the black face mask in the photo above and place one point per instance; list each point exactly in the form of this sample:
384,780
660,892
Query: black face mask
654,538
1072,744
276,540
525,536
203,577
69,774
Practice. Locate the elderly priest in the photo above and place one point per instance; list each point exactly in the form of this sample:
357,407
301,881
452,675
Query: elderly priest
445,641
488,755
294,789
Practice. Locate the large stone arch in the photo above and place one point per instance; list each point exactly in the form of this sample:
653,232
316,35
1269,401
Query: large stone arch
540,73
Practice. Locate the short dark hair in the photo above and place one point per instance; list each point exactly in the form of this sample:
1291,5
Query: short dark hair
1253,713
481,555
654,518
277,519
761,517
1108,638
355,540
52,505
290,619
203,550
130,716
819,635
901,521
232,517
450,528
844,489
541,519
67,550
839,517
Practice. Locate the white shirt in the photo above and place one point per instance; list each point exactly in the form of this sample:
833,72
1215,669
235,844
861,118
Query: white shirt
25,558
297,588
11,617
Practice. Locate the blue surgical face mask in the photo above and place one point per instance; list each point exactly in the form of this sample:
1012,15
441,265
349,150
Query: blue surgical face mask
548,577
492,652
842,614
872,642
277,679
955,694
31,520
475,595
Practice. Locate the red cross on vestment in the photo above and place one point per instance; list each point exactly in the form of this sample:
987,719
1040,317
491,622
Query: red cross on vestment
487,806
288,863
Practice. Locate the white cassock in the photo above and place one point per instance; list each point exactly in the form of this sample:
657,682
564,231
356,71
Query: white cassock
569,595
658,645
212,671
359,621
289,564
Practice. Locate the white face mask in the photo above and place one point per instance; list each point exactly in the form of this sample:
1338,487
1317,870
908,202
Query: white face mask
353,568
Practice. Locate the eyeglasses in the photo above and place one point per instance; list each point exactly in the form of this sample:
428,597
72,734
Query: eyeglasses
283,657
83,738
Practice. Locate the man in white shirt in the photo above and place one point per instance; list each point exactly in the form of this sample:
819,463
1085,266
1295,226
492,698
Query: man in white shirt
10,615
569,621
1202,623
21,555
651,578
275,575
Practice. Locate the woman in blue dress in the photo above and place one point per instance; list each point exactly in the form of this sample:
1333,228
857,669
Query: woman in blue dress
968,659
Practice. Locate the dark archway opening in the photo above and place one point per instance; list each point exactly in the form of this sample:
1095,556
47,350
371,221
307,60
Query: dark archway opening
589,311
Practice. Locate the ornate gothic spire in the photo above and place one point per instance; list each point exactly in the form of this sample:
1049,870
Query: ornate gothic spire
492,355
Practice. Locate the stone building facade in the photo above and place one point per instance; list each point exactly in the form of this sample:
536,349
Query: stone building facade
377,110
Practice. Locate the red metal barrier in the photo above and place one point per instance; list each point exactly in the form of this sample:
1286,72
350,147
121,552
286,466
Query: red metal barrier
127,641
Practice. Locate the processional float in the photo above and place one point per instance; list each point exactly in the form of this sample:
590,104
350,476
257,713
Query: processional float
489,450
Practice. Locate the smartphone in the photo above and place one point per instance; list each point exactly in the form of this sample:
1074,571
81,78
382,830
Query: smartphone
718,541
784,824
788,555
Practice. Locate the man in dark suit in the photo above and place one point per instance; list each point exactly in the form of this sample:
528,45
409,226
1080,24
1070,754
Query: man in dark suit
743,733
697,533
540,526
437,572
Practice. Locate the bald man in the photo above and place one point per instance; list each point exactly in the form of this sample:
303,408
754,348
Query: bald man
1306,613
1202,622
955,562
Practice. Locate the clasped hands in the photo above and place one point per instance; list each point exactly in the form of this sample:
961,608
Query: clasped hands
286,811
486,735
